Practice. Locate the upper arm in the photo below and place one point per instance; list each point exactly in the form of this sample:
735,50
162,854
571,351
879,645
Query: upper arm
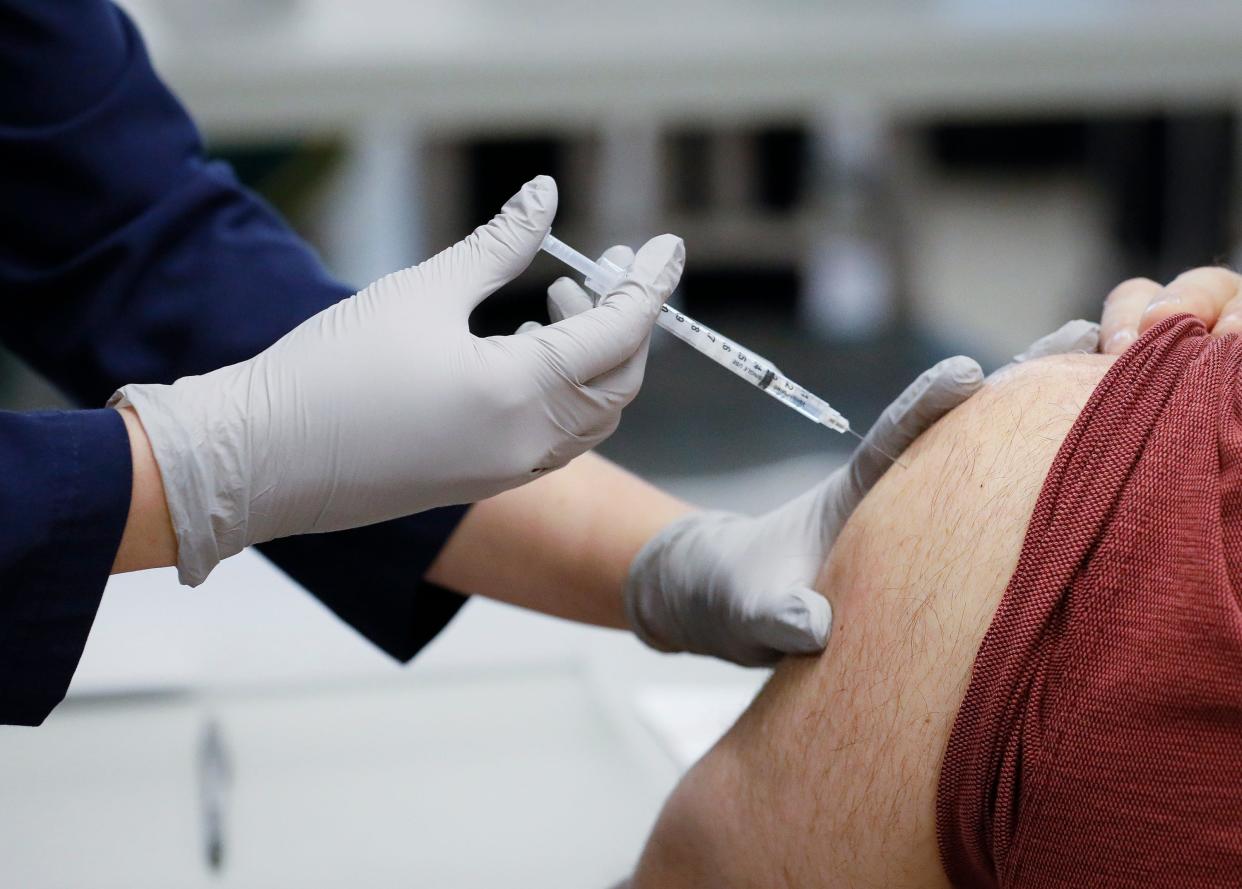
830,777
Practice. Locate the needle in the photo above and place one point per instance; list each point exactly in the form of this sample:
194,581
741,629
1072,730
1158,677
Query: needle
876,447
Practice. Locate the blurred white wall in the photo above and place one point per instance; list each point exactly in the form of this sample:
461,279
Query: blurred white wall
997,261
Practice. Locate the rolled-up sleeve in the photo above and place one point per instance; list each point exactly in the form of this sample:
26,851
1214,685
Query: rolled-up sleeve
65,480
128,256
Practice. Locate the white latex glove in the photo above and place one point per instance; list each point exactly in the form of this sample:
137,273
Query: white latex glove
385,404
740,588
566,299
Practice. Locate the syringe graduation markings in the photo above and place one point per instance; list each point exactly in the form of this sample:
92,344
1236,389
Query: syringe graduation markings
604,276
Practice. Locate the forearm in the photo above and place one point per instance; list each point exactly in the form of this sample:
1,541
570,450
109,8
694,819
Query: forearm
561,545
148,540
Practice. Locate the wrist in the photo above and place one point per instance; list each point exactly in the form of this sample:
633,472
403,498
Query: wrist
148,540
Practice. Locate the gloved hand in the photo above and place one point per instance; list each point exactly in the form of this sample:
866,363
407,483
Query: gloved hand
385,404
740,588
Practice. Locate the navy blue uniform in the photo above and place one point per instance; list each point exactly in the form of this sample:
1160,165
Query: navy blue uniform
126,256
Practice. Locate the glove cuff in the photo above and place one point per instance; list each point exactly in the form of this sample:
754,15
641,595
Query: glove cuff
203,471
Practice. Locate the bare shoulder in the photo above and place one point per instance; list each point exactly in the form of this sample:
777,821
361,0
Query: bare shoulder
965,490
829,778
1022,411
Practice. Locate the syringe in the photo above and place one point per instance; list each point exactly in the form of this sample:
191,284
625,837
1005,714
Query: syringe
603,277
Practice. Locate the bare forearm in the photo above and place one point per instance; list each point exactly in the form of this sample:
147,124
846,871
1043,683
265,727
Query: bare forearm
148,540
561,545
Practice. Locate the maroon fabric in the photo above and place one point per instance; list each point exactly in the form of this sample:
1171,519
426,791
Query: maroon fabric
1100,739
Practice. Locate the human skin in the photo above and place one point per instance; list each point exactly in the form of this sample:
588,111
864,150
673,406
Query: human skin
1211,293
562,544
829,778
148,540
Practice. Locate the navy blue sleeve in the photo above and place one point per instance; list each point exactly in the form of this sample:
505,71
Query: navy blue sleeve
65,481
127,256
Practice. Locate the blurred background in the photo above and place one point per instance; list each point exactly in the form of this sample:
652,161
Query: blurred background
863,188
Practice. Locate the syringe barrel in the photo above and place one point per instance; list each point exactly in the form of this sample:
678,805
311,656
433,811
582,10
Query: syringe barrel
604,276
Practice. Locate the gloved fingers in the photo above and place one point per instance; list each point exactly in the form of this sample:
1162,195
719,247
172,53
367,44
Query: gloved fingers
496,253
796,621
566,299
1073,336
936,392
598,406
623,381
619,255
1202,292
809,621
595,341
